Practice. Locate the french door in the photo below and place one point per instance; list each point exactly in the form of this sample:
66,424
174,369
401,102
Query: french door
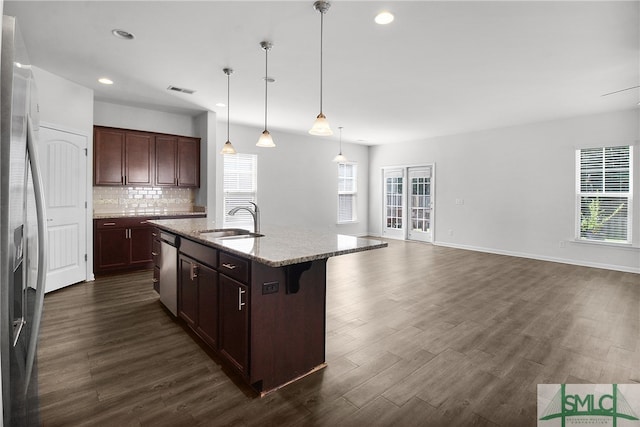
408,203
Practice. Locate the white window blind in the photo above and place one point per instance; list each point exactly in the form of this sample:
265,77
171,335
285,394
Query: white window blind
347,192
603,190
240,185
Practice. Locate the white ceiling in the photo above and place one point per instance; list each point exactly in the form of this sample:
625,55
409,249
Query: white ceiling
440,68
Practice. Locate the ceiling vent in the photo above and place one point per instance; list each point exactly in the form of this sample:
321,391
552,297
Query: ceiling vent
180,89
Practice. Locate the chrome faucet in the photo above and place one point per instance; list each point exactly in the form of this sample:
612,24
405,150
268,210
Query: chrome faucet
255,213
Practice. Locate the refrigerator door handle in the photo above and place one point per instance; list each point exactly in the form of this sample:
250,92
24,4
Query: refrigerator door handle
42,247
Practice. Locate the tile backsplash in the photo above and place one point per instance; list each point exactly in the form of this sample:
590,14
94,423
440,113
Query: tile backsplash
125,199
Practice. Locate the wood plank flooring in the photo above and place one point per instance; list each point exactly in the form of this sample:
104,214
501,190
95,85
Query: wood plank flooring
417,335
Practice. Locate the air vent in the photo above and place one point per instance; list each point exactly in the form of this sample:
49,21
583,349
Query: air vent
180,89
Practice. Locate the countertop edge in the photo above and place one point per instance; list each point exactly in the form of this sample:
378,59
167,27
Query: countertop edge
271,263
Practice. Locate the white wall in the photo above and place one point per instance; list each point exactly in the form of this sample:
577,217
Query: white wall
69,106
126,117
297,180
518,187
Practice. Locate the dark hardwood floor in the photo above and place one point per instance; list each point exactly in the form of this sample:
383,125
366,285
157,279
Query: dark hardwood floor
417,335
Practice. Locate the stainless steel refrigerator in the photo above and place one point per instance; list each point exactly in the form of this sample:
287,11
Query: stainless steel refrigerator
22,233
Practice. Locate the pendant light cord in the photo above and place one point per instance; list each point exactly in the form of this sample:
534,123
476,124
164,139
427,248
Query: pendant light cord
321,33
228,98
266,84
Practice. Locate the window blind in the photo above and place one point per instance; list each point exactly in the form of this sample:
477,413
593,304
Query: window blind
604,194
239,185
347,192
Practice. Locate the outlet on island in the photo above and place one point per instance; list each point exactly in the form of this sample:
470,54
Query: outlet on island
270,288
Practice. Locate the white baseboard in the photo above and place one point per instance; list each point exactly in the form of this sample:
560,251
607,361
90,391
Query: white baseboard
605,266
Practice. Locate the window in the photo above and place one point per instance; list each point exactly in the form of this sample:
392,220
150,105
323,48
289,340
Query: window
394,205
603,194
240,185
347,192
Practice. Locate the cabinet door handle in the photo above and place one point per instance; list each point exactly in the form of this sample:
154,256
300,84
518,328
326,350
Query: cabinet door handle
194,271
240,303
154,253
109,224
229,266
143,222
155,280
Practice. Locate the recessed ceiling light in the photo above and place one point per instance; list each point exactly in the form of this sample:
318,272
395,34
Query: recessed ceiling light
221,104
105,81
122,34
384,18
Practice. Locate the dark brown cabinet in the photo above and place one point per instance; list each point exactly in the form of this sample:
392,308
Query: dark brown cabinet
122,244
177,161
234,322
123,157
129,157
139,158
156,254
188,162
198,290
108,156
166,165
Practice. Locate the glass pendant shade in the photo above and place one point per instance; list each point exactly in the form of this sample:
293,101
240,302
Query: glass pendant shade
228,148
321,126
340,158
265,140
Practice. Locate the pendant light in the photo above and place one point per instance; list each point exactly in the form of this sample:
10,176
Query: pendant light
228,148
321,125
265,139
340,158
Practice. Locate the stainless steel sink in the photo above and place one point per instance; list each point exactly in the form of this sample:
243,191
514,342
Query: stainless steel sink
229,233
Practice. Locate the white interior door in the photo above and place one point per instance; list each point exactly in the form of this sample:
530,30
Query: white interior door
420,204
64,169
394,204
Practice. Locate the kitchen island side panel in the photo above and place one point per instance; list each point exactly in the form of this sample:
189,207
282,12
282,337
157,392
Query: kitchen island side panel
287,326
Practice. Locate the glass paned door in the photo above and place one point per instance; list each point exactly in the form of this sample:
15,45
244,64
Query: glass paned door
420,204
394,204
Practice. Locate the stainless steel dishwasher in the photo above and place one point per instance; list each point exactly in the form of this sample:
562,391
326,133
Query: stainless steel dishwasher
169,271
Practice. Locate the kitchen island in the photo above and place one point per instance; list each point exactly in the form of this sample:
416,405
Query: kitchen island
258,301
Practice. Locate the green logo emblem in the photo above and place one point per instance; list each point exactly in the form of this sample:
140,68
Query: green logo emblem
565,405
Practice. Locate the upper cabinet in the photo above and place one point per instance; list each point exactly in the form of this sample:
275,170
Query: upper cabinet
128,157
177,161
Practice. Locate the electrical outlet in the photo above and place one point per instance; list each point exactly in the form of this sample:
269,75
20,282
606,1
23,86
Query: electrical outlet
450,232
562,244
270,288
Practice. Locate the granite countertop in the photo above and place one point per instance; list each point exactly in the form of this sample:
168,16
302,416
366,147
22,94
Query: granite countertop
144,213
278,247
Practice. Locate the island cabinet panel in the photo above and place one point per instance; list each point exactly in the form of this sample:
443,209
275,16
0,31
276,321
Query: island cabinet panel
207,326
198,290
156,254
287,326
188,290
234,323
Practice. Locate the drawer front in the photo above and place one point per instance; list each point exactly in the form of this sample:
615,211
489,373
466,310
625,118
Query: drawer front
235,267
123,222
109,223
202,253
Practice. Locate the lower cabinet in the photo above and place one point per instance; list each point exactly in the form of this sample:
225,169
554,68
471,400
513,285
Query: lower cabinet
234,322
122,244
